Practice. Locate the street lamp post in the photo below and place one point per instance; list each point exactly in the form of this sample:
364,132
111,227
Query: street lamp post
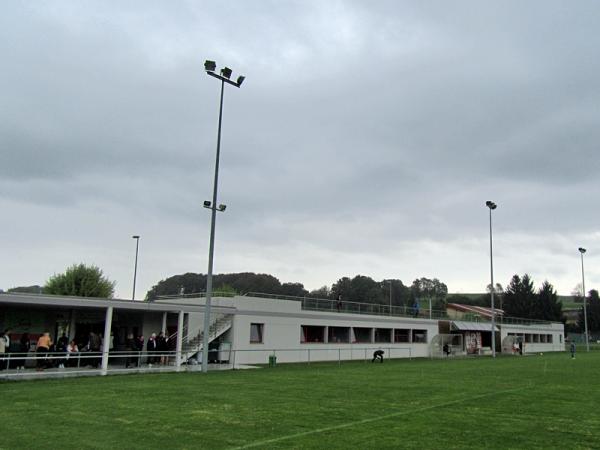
224,77
137,246
587,339
491,206
390,282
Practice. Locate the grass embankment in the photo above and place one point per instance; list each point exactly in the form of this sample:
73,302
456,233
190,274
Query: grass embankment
531,402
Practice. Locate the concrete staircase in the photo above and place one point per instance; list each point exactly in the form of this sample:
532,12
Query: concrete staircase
221,324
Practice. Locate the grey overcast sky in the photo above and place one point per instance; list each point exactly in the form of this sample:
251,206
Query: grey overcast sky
365,140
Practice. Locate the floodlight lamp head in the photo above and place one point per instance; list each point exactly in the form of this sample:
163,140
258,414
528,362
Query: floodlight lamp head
490,204
226,72
210,66
222,207
582,250
135,237
240,80
207,204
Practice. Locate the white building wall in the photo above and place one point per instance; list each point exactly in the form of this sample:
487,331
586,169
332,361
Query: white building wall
282,334
557,330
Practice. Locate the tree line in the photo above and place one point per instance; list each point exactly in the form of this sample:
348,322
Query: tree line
360,288
519,299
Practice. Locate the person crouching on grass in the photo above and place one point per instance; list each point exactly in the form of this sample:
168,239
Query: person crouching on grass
377,354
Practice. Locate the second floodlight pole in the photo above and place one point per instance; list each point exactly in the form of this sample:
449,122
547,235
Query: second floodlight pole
210,67
491,205
137,246
211,245
587,339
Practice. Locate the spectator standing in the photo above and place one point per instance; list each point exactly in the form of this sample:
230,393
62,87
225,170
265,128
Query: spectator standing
162,347
7,345
43,347
151,348
130,348
3,353
416,308
24,345
573,349
61,347
139,349
94,346
72,350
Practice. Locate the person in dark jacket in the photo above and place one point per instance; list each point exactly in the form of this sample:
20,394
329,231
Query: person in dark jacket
152,348
162,346
131,349
24,346
377,354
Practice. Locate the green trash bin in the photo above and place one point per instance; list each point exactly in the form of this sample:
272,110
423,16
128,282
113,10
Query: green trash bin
272,360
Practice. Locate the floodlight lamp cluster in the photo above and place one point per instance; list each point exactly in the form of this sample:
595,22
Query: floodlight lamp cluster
225,73
582,250
490,204
208,205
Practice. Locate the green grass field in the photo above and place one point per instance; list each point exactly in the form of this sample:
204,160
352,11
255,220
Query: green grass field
528,402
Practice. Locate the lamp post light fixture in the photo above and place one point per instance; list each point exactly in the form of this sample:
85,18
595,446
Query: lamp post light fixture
137,246
491,206
587,339
224,76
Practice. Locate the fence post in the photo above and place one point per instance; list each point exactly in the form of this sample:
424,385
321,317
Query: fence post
339,356
365,355
308,356
234,351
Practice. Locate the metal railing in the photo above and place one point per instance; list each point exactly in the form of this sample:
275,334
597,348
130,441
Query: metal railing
344,306
195,295
60,364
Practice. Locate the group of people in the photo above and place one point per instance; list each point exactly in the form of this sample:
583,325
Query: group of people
65,352
157,347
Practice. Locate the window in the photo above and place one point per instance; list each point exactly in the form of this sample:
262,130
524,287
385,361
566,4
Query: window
419,336
536,338
549,339
401,335
339,335
560,336
383,335
527,338
362,335
312,333
256,333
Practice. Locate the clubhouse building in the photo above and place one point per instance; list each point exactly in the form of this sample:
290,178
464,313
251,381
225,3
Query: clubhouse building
247,330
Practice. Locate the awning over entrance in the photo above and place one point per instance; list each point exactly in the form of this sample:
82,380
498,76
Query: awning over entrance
472,326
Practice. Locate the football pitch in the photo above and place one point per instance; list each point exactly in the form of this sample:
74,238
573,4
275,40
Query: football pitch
528,402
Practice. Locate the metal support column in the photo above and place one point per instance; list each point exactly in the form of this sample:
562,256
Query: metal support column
106,345
179,345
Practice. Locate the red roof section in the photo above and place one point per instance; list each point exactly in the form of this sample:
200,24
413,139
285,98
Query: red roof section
479,310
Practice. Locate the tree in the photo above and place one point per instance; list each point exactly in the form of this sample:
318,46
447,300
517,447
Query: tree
434,290
322,292
547,306
576,293
81,281
343,288
593,313
192,283
519,297
400,292
293,289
